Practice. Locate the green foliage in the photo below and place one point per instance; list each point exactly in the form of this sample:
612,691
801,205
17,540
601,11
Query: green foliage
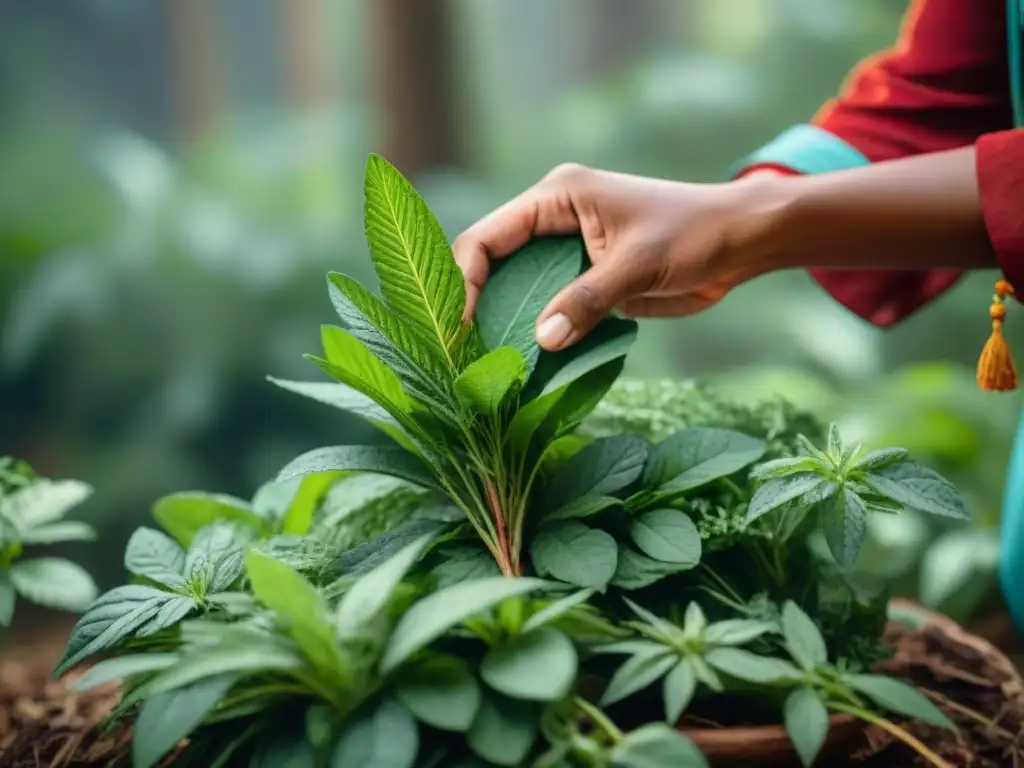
32,511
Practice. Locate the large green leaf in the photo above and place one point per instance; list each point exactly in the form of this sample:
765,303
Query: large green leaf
353,364
668,535
419,278
772,494
435,614
384,460
900,698
806,721
601,468
609,341
574,553
919,488
482,386
59,532
695,456
298,516
386,737
657,745
155,556
54,582
538,666
678,688
441,692
521,287
183,515
214,561
636,571
504,730
44,501
844,521
803,638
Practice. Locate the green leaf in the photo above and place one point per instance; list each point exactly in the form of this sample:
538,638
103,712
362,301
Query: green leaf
298,517
677,690
387,737
284,591
540,665
585,506
418,276
735,631
44,501
367,556
504,730
184,514
464,564
747,666
441,692
166,719
609,341
215,559
435,614
601,468
351,363
694,457
668,535
844,522
155,556
779,468
57,533
775,493
557,609
656,745
806,723
521,287
638,672
122,668
919,488
384,460
529,418
345,398
695,623
8,597
803,638
636,571
879,458
54,582
369,596
484,384
900,698
574,553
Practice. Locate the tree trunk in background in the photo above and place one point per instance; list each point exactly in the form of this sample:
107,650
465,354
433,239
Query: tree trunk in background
413,84
197,73
310,73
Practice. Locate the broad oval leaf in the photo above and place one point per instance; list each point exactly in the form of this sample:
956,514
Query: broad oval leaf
464,564
539,665
521,287
585,506
155,556
388,737
880,457
44,501
657,745
636,571
668,535
574,553
773,494
844,522
54,582
898,697
384,460
919,488
435,614
600,468
693,457
482,386
441,692
803,638
806,719
610,340
504,730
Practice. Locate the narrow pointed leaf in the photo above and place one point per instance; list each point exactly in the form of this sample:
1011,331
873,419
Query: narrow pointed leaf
898,697
600,468
803,638
610,340
844,522
806,721
677,690
44,501
482,386
919,488
774,494
54,582
385,460
696,456
56,533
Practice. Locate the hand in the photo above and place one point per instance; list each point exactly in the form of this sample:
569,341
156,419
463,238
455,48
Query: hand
659,248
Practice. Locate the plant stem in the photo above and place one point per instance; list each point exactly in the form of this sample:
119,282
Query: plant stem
600,719
508,567
903,735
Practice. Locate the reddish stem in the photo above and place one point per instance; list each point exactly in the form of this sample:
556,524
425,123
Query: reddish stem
508,567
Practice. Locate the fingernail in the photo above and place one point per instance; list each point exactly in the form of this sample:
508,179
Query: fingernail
554,332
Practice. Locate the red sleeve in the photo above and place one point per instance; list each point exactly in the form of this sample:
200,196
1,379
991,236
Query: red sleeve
943,85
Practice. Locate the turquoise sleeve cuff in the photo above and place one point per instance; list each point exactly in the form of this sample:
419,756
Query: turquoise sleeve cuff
806,149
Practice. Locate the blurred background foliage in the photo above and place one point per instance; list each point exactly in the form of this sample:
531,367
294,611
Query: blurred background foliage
177,176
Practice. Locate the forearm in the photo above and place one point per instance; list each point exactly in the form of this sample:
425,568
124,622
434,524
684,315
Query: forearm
922,213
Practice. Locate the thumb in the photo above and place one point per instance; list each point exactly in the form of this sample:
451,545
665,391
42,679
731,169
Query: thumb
582,304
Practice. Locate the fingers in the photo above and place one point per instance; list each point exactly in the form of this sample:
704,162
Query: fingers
545,209
582,304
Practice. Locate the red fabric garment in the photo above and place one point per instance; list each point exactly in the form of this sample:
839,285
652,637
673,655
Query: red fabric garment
944,85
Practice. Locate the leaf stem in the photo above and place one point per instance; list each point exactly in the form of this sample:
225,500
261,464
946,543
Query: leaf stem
900,733
601,720
508,566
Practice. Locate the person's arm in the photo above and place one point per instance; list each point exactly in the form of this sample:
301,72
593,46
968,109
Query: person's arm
945,85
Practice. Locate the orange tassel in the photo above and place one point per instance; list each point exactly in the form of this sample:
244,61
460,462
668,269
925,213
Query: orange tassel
996,371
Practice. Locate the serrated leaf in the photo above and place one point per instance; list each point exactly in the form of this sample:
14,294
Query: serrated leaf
419,278
803,638
898,697
835,442
441,692
539,665
56,533
54,582
806,721
387,737
504,730
694,457
585,506
747,666
879,458
122,668
464,564
351,363
638,672
183,515
844,522
779,468
667,535
368,555
166,719
919,488
384,460
775,493
678,688
636,571
557,609
435,614
521,287
298,515
8,598
44,501
155,556
656,745
735,631
215,559
574,553
600,468
609,341
482,386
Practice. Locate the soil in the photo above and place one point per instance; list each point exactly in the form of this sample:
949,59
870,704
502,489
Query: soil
44,724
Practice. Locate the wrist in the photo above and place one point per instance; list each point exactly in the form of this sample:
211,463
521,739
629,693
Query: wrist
757,232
